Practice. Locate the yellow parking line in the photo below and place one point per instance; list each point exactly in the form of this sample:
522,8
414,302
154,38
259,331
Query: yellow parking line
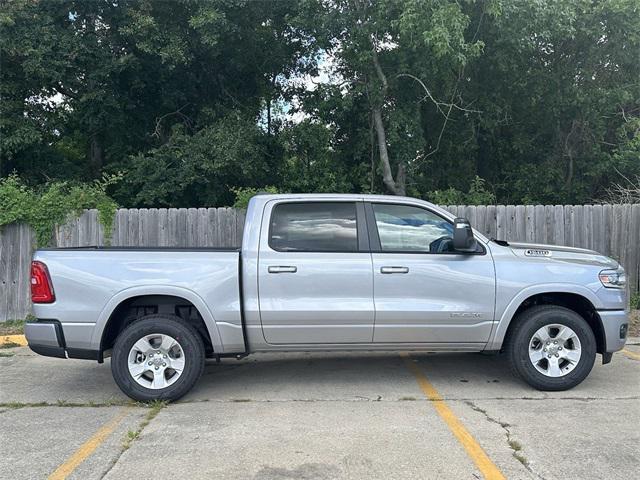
488,469
88,447
9,339
631,354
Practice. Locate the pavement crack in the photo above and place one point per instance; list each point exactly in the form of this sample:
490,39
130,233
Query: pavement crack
133,435
380,398
65,404
514,445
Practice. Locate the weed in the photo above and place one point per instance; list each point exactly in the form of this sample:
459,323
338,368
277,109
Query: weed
515,446
13,327
130,437
522,459
635,301
154,409
17,405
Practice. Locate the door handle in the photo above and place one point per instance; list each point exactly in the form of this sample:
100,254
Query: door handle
394,269
282,269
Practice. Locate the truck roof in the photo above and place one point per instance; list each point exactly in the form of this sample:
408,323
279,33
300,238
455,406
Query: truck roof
340,196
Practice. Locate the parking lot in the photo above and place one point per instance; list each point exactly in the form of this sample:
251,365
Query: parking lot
322,416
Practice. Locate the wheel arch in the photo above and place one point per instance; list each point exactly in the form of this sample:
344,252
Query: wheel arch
112,313
576,298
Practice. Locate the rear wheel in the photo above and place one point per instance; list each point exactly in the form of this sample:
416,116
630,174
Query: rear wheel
158,357
551,348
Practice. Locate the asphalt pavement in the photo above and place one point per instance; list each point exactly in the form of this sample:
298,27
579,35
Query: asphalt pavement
321,416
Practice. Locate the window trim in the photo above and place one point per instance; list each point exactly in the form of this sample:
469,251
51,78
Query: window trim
374,236
362,236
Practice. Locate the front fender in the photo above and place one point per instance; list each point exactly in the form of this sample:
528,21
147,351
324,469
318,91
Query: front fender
173,291
500,328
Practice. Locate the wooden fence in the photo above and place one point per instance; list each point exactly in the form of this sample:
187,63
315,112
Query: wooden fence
613,230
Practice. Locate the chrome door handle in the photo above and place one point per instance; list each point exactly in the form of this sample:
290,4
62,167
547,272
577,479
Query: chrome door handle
282,269
394,269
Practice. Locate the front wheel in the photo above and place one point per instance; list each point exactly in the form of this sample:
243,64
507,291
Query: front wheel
158,357
551,348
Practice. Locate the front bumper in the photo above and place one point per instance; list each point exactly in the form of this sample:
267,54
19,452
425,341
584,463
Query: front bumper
615,324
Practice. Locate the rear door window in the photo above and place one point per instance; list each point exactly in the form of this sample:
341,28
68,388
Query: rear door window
314,227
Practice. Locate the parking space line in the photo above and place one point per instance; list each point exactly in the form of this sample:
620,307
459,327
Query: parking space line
88,447
631,354
488,469
13,339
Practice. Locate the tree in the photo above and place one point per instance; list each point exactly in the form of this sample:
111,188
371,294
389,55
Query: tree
396,55
191,99
91,85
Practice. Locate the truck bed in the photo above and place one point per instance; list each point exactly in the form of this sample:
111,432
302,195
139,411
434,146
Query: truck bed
91,282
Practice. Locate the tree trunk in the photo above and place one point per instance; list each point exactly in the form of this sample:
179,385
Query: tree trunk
396,186
269,117
95,156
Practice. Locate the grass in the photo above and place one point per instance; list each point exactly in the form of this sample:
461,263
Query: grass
12,327
64,403
515,446
634,302
154,409
130,438
634,323
17,405
9,345
6,354
522,459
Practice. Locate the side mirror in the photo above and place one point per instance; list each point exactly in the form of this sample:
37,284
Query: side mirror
463,240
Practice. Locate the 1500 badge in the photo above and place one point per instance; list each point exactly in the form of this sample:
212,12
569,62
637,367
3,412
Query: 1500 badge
535,252
465,315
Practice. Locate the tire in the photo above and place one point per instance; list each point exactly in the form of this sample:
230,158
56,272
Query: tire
167,375
532,343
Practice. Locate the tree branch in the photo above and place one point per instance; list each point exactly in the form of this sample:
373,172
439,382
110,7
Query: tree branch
185,119
64,91
437,103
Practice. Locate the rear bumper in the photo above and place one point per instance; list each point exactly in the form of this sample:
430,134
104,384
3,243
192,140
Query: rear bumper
46,337
615,324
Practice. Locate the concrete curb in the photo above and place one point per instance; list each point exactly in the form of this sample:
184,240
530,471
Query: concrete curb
13,339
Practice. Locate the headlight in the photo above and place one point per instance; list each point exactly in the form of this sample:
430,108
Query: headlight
613,278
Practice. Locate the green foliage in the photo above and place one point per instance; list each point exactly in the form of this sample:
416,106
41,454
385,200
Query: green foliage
12,327
196,169
52,203
193,99
635,301
478,194
244,194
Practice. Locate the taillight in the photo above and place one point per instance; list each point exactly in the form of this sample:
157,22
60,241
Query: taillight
41,288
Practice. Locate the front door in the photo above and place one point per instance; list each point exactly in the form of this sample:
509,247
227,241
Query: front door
315,276
425,292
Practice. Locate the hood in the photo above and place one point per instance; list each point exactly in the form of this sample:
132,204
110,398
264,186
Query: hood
561,253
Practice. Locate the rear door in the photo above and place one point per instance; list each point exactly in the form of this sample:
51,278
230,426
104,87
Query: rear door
425,292
315,276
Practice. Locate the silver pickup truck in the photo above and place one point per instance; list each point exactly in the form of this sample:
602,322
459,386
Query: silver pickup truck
329,272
